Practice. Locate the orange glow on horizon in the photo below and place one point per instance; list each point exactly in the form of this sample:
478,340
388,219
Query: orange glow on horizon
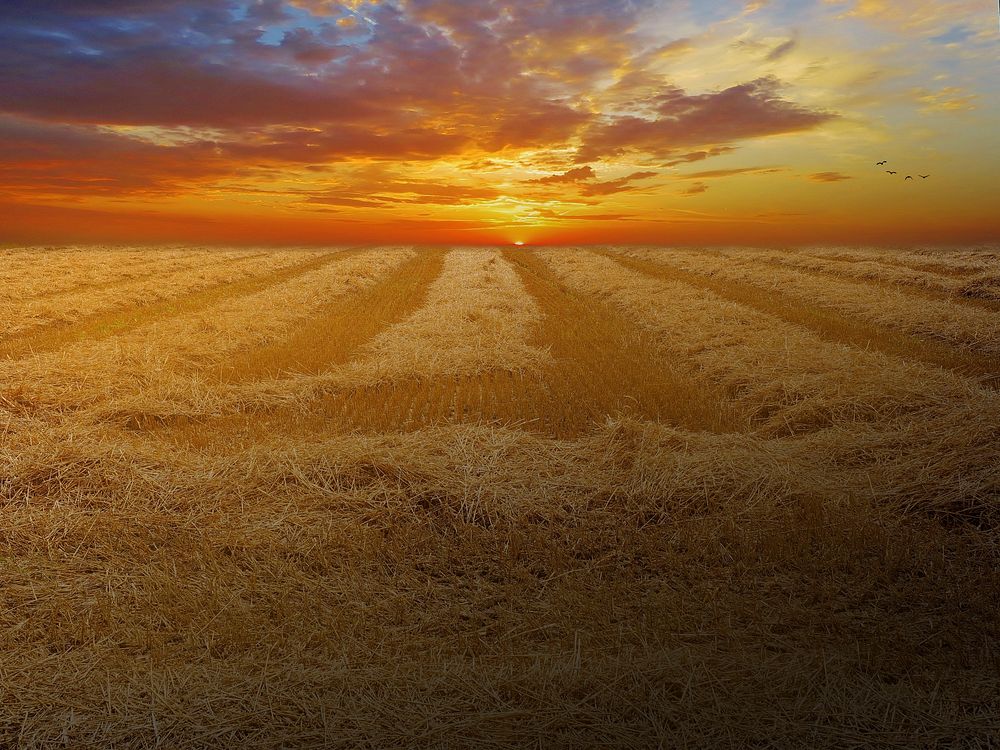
774,123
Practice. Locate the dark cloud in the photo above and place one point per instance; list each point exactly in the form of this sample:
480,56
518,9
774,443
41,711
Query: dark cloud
380,188
781,50
748,110
621,185
694,156
68,160
259,84
578,174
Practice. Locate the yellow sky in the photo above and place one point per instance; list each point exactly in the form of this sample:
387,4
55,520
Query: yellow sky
446,121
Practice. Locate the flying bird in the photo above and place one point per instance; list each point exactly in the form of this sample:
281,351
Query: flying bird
889,171
924,176
908,177
880,163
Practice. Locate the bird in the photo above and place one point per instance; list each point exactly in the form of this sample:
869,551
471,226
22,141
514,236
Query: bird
889,171
880,164
908,177
924,176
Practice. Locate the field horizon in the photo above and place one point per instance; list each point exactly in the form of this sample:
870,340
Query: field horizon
603,496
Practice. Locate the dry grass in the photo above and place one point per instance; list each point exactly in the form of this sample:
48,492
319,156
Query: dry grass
785,377
954,262
47,273
160,362
334,332
467,585
974,329
825,321
636,580
116,323
598,365
477,317
981,287
154,286
966,277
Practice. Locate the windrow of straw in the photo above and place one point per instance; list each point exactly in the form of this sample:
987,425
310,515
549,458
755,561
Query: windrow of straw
827,323
972,328
477,317
151,360
20,316
639,585
953,261
788,379
600,364
938,281
38,274
469,585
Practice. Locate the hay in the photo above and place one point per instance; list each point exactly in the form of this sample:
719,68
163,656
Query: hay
641,584
937,319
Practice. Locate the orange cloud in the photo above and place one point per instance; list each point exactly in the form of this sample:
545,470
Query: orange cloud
447,120
620,185
577,174
749,110
829,177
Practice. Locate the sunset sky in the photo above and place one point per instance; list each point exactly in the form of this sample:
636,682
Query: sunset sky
465,122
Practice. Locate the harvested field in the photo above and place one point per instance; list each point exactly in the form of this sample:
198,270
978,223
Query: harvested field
965,328
879,326
974,284
457,497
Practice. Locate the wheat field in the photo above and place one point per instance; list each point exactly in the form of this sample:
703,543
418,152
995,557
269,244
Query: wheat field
562,497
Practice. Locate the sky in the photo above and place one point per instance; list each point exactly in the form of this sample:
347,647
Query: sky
499,121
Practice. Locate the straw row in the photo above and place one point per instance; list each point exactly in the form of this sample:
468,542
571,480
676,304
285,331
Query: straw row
151,360
465,585
941,280
19,317
963,261
49,274
787,378
942,320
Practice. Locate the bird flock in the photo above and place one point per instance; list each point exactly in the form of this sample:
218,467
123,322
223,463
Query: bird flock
889,171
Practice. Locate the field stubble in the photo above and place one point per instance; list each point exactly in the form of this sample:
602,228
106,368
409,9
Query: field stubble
595,364
718,528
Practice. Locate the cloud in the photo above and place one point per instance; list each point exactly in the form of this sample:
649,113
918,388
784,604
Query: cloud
621,185
714,173
781,50
922,17
697,189
578,174
948,99
258,85
748,110
694,156
456,108
829,177
379,188
55,159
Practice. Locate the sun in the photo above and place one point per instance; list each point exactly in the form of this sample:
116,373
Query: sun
518,243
